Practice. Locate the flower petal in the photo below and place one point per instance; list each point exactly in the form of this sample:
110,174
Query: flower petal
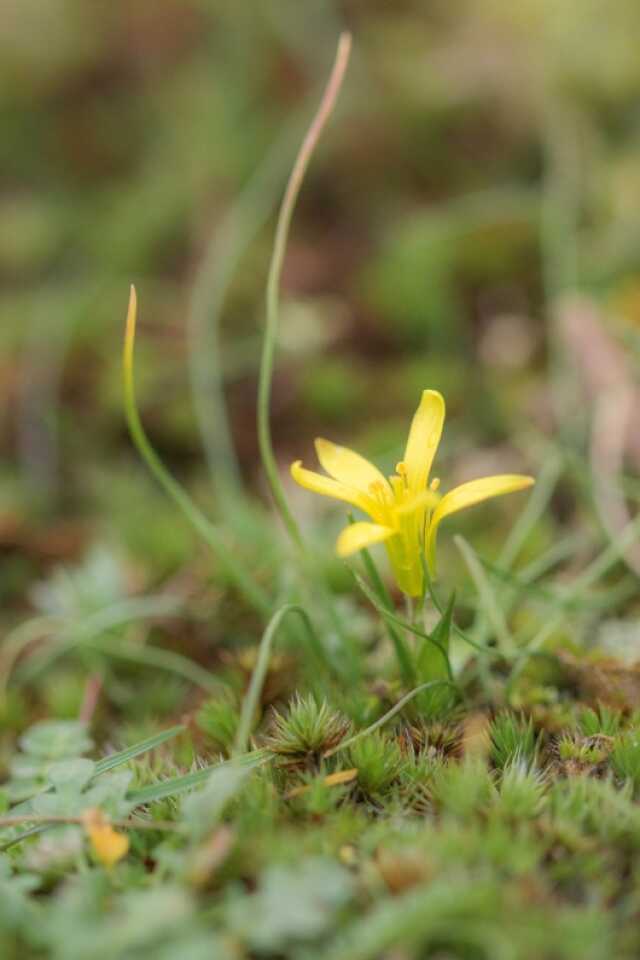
467,495
348,467
359,535
329,488
424,437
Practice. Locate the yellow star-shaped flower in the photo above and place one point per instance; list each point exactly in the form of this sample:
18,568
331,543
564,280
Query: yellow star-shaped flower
405,509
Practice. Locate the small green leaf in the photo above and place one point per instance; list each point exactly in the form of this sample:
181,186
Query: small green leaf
293,904
71,775
56,739
203,809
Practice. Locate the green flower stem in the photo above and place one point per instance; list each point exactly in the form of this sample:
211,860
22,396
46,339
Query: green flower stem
405,663
409,609
273,286
391,617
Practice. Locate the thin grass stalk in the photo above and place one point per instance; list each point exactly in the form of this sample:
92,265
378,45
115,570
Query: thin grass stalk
118,614
596,569
130,753
224,251
317,597
487,597
273,286
534,509
104,766
391,713
250,703
161,659
173,786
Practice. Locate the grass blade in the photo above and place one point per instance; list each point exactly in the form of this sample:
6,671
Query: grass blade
130,753
487,597
250,703
176,785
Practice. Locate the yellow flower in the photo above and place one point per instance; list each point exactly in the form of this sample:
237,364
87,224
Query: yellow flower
405,509
107,844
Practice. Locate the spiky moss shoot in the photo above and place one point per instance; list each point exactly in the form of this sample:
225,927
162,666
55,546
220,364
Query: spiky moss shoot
318,794
379,761
308,730
625,758
580,755
414,783
596,808
218,719
512,738
433,740
521,792
462,789
605,720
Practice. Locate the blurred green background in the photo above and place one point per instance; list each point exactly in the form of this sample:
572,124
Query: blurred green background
483,163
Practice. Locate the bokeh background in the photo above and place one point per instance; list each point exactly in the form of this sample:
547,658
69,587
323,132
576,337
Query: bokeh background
470,223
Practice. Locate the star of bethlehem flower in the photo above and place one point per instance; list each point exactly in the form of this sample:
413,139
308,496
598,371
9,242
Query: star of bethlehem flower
405,509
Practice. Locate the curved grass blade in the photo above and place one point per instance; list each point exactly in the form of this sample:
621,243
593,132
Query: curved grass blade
394,710
250,703
130,753
309,143
239,575
168,660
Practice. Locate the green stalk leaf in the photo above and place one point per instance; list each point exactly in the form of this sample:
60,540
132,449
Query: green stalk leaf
403,656
394,618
